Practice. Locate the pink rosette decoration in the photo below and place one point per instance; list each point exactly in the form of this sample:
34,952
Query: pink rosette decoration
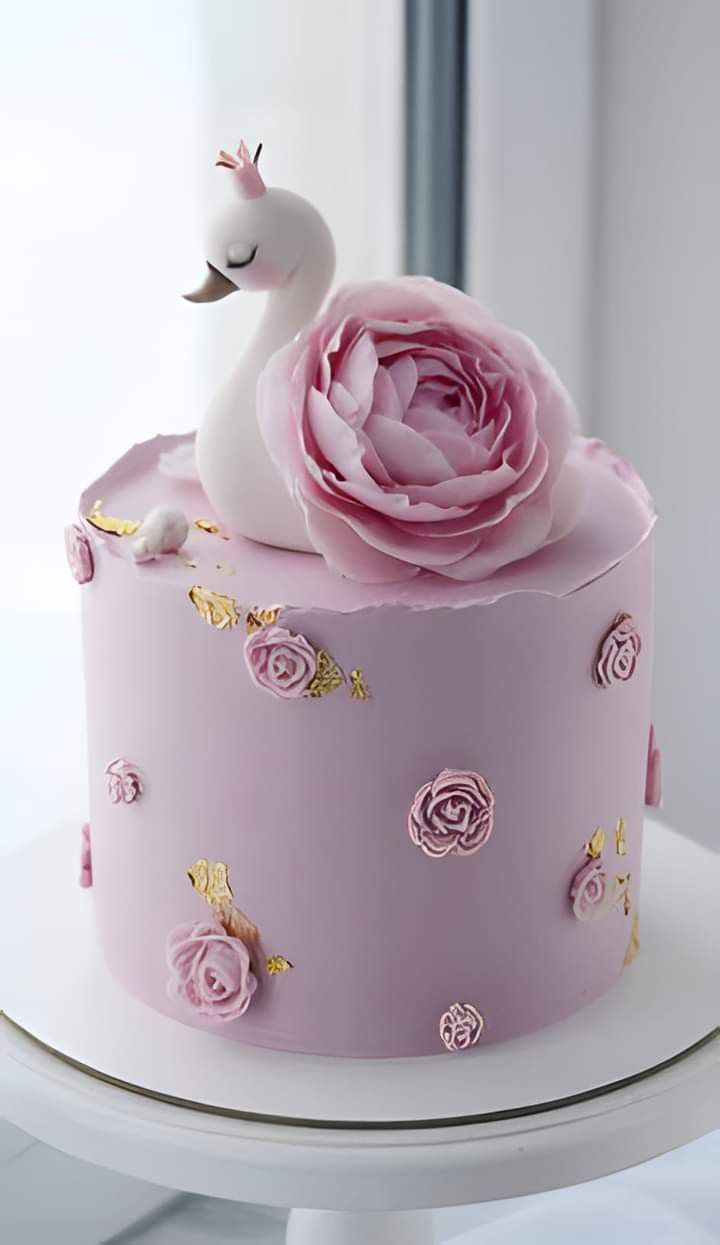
653,775
280,662
124,781
461,1026
618,652
453,814
590,892
416,432
79,553
209,971
85,857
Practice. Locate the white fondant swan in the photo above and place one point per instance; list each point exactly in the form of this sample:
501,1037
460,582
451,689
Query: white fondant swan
267,239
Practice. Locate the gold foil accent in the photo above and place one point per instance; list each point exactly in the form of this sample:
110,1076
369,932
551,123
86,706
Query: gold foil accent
210,878
595,846
359,689
113,527
207,525
634,944
328,676
623,882
620,844
259,617
217,610
238,925
224,568
277,964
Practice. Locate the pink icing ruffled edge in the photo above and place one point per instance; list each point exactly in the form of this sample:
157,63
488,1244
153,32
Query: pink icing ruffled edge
131,481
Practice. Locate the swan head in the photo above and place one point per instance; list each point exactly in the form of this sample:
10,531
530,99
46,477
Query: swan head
260,238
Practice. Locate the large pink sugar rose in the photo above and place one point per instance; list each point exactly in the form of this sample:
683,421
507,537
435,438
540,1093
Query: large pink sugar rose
210,971
416,432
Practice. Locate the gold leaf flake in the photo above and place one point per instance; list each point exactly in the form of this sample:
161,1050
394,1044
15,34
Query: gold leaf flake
238,925
259,617
207,525
620,844
328,676
224,568
595,846
217,610
113,527
277,964
634,943
627,902
359,689
210,878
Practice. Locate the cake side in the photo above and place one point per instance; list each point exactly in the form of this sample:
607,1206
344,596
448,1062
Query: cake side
374,916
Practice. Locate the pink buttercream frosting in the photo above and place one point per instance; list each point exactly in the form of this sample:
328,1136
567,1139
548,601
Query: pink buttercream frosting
279,662
418,432
210,971
453,814
79,553
477,665
590,891
618,652
124,781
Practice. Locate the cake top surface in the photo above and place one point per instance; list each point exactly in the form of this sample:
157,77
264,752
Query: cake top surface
616,516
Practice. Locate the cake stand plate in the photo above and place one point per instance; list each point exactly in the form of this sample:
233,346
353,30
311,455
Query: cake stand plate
95,1073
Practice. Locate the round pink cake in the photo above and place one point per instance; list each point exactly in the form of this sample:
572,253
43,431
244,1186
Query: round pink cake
357,820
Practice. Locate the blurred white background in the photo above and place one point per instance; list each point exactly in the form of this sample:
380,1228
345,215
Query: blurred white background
593,196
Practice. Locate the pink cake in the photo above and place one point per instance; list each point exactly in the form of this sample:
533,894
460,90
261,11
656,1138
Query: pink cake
387,801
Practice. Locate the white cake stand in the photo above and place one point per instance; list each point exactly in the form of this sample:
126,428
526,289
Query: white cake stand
368,1145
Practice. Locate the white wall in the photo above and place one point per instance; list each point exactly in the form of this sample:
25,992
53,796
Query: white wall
529,175
100,133
112,119
320,83
594,214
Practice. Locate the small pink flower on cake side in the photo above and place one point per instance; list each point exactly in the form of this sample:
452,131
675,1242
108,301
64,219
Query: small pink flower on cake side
280,662
209,971
590,892
79,553
85,857
416,432
124,781
618,652
461,1026
452,815
653,776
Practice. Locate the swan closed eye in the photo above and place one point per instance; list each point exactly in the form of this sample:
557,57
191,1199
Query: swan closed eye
240,255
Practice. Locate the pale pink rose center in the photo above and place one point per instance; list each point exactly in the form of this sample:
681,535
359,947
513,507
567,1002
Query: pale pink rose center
284,667
593,890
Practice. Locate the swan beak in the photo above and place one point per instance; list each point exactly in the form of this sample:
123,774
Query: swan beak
214,287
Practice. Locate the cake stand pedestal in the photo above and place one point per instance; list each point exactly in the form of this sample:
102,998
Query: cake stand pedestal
367,1145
